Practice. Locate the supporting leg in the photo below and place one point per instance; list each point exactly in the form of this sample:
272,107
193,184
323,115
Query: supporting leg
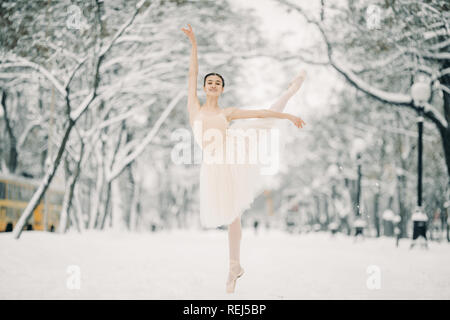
234,241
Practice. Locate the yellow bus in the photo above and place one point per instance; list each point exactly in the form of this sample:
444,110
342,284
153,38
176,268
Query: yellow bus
16,192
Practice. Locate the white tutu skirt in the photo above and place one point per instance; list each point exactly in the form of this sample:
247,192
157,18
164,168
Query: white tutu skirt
228,189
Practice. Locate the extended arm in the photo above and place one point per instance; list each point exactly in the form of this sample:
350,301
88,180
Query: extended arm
236,113
258,113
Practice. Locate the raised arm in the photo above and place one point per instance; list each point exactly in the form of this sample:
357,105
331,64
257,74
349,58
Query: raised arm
193,103
235,113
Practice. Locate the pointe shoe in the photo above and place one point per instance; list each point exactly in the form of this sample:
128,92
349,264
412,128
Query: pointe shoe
297,82
236,271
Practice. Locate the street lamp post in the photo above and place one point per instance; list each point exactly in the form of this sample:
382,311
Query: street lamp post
420,93
333,173
359,224
419,159
358,193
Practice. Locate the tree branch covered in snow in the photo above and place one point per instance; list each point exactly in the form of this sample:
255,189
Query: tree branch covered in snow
69,124
413,48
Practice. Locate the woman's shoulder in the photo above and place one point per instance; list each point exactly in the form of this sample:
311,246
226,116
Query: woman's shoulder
229,110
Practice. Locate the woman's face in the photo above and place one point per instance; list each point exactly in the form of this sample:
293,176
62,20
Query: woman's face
213,85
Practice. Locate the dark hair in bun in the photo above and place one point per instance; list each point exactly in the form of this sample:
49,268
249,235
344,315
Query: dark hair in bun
213,74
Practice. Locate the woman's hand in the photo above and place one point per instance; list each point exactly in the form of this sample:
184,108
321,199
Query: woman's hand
189,33
297,121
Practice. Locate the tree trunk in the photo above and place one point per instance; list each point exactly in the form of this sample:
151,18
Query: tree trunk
135,206
12,157
445,132
37,196
317,215
67,203
79,210
97,196
135,193
446,144
106,210
116,214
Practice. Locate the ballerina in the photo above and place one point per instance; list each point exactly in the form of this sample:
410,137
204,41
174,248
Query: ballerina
226,190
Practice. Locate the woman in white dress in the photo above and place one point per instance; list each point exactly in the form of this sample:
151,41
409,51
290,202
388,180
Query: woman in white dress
226,188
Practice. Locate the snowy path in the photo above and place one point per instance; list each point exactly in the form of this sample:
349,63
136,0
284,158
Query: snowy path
193,265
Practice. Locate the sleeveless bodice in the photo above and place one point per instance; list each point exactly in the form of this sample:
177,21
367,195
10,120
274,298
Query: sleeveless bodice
210,131
228,189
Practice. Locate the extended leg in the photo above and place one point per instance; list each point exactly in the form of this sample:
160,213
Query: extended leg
281,102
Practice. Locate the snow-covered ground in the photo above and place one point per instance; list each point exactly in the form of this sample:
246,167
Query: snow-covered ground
193,265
